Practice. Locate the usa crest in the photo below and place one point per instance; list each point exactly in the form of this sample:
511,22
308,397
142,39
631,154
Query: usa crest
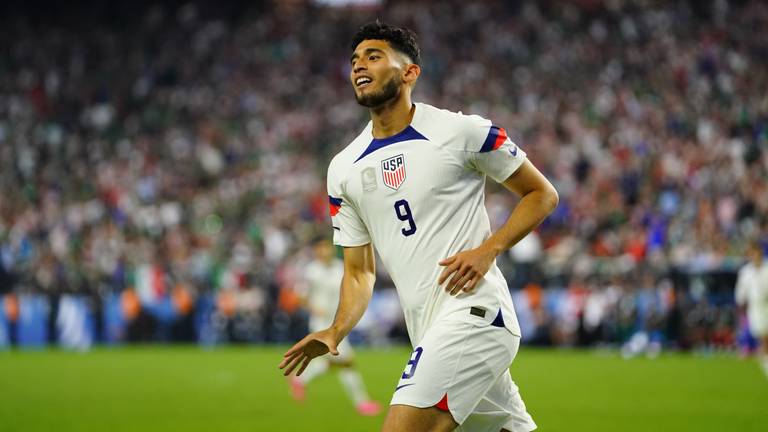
393,171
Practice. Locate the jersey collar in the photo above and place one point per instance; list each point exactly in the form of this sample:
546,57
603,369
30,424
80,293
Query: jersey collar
407,134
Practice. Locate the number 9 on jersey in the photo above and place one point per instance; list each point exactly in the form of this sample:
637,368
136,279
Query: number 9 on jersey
403,212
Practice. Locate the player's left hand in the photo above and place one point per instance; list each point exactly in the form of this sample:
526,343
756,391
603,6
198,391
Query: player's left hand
467,267
313,345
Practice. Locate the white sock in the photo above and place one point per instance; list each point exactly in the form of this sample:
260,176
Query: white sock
316,368
353,384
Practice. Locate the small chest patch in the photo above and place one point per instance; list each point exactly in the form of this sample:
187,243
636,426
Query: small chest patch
368,178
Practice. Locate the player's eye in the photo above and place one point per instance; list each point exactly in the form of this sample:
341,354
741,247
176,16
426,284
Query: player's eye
373,57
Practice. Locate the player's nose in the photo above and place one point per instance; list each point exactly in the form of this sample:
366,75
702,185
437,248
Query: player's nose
359,66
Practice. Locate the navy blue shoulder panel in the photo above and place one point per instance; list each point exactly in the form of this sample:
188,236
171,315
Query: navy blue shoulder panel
407,134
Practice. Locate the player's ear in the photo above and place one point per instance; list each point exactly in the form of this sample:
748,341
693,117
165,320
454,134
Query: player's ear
411,73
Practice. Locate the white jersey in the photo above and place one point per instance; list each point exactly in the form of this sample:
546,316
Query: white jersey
418,196
324,284
752,290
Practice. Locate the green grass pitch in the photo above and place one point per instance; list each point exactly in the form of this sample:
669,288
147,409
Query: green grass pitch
241,389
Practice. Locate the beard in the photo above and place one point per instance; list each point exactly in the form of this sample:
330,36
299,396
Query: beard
375,99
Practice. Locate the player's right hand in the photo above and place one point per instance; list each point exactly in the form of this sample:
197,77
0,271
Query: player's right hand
313,345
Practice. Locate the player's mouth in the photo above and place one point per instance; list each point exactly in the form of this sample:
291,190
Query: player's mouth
363,81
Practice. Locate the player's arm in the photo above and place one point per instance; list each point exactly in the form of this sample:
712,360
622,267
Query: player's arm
538,198
356,290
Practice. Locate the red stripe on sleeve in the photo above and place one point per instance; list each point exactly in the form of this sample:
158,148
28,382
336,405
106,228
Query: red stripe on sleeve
500,138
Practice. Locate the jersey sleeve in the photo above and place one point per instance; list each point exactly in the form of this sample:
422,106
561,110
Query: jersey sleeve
348,228
490,149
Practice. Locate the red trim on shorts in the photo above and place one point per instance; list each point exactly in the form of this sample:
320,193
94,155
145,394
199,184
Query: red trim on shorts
443,404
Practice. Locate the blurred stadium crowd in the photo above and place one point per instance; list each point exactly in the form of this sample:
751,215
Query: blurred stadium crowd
162,173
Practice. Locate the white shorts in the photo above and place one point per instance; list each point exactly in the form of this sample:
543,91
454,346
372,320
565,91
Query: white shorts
462,366
758,324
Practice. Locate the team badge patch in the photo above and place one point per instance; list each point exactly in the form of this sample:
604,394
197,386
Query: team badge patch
393,171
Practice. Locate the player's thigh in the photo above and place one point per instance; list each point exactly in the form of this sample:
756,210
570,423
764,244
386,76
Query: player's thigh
407,418
764,343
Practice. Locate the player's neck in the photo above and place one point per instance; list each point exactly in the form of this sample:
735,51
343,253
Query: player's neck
393,116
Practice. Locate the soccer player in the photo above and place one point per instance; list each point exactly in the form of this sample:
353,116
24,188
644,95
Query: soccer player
752,293
323,277
412,185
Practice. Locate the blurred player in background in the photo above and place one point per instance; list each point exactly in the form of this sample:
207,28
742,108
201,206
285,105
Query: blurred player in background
412,184
323,278
752,294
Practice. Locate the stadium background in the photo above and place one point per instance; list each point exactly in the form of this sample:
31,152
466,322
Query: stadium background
162,173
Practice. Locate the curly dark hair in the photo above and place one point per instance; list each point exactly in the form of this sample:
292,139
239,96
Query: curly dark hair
400,38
